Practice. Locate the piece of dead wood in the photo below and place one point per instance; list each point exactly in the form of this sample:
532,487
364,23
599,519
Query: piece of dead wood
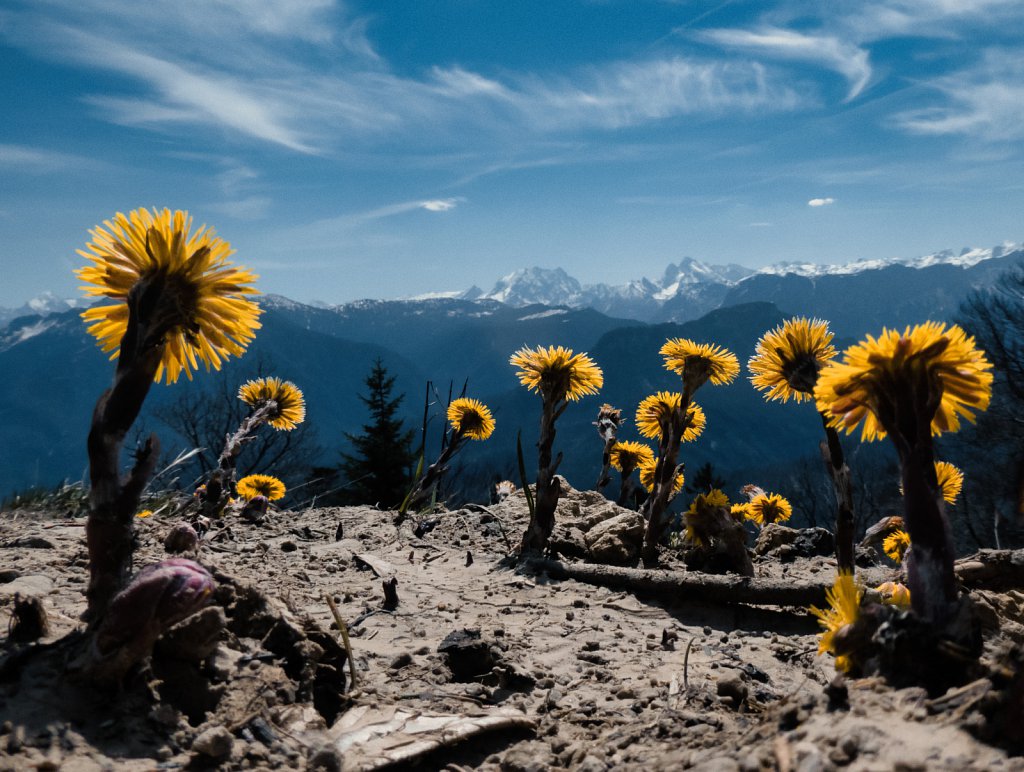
992,570
706,588
382,568
373,738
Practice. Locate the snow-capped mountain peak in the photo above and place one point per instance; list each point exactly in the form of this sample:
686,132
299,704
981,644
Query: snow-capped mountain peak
549,286
965,258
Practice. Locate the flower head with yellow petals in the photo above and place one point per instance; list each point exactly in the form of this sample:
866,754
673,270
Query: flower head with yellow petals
185,293
557,373
654,416
647,467
787,360
767,508
844,609
894,594
933,364
951,480
896,545
627,456
701,509
283,399
471,418
261,485
700,362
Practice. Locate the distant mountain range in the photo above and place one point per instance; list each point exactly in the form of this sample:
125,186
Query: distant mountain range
849,295
53,371
907,290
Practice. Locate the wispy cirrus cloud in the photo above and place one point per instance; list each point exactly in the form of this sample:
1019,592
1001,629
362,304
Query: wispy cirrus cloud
883,19
242,69
40,160
985,101
842,56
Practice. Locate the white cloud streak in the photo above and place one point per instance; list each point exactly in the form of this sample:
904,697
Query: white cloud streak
235,66
821,202
849,60
986,101
440,204
39,160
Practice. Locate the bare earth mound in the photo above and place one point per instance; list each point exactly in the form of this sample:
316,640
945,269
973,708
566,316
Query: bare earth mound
478,666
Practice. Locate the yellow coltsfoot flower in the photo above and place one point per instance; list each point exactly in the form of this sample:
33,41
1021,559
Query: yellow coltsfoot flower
844,609
700,362
261,485
195,300
896,545
698,518
787,360
647,467
767,508
289,406
894,594
654,416
951,480
471,418
929,362
629,455
557,373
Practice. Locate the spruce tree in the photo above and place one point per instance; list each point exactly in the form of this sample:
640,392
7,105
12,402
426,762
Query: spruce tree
379,469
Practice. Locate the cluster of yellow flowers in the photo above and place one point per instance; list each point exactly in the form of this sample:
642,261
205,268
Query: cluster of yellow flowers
194,305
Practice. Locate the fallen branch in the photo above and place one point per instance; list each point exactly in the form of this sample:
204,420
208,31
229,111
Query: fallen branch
713,588
991,570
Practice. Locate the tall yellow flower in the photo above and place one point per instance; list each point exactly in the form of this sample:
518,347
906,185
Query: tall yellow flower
647,468
471,418
654,414
787,359
261,485
863,387
700,362
557,373
630,455
896,545
768,508
197,298
289,405
951,480
844,609
701,509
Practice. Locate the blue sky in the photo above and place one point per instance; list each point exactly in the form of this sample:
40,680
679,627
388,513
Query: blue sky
351,149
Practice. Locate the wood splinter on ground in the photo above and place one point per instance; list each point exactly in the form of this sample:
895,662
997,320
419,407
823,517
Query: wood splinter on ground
713,588
390,593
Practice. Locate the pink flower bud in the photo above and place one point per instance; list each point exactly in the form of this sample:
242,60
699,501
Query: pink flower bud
159,596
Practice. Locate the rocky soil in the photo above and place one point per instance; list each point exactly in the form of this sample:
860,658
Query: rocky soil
478,666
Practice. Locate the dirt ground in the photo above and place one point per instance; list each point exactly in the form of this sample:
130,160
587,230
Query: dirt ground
477,667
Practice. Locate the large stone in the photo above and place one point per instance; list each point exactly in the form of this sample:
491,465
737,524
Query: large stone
30,586
801,542
616,540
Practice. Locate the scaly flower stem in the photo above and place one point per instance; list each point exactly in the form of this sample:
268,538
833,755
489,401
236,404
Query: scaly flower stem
218,488
929,562
606,464
664,477
839,472
113,501
548,488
